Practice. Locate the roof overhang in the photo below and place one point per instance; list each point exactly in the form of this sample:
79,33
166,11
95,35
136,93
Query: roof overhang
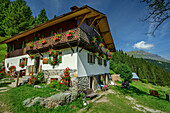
85,10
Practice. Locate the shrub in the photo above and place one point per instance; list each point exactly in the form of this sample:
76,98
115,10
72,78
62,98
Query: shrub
144,81
124,71
40,77
54,84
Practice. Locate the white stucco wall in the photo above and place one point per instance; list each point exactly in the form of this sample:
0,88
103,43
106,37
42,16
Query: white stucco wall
14,61
87,69
68,60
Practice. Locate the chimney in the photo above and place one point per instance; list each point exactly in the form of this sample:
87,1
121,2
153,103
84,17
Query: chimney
74,8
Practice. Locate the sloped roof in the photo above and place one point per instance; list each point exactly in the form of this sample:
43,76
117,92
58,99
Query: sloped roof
135,76
91,13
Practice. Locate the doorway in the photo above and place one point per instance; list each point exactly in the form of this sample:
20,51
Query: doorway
37,64
91,82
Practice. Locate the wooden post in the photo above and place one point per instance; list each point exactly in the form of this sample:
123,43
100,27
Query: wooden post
17,79
93,83
32,70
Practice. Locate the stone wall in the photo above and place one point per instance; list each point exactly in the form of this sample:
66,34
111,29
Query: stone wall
48,74
83,83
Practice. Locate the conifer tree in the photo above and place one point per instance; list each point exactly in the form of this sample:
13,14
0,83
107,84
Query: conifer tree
42,17
17,18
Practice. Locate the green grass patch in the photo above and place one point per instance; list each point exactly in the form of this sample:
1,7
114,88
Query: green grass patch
14,98
140,92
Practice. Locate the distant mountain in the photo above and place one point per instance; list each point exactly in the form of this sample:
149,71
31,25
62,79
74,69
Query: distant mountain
149,57
146,55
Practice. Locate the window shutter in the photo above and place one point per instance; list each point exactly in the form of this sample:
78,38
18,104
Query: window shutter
52,33
23,44
60,57
60,30
13,47
9,48
35,39
26,61
20,61
49,60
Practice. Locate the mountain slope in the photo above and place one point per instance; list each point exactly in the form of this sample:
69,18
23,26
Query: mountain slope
146,55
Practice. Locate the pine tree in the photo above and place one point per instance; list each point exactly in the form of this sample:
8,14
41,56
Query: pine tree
55,16
4,4
42,17
17,18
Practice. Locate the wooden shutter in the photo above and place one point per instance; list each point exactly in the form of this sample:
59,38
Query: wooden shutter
20,61
49,60
9,48
35,39
60,57
52,33
26,61
23,44
13,47
60,30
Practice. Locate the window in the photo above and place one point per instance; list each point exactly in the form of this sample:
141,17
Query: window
24,60
99,60
91,58
105,63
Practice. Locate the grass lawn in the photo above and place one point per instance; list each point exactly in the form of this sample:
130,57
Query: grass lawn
13,98
140,92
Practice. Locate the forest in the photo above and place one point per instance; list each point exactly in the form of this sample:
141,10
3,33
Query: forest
146,71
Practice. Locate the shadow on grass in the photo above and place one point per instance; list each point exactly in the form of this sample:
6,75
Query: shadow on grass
131,91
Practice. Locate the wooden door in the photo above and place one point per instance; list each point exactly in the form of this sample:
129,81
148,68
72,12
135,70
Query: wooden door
37,64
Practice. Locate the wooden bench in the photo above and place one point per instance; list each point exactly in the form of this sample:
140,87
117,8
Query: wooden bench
154,93
90,93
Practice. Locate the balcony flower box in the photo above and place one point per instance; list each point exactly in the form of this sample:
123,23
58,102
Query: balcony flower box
43,41
96,54
101,45
22,64
30,44
94,40
56,37
69,34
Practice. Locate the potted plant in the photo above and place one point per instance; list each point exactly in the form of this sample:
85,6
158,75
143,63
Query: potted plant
107,50
52,52
56,37
43,41
104,56
32,56
96,54
22,64
69,34
101,45
66,71
94,40
30,44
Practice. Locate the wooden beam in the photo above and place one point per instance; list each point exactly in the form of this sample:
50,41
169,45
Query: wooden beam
38,52
70,47
85,16
108,43
94,20
105,32
99,20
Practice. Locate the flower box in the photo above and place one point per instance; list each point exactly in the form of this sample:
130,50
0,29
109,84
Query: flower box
56,37
69,34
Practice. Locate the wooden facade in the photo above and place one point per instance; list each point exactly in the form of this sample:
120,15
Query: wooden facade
84,26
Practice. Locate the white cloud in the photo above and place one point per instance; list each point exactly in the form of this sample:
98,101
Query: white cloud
143,45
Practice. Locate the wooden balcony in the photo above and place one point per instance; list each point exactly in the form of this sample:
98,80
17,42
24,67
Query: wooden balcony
17,52
37,45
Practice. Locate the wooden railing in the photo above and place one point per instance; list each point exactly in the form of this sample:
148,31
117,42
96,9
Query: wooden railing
17,52
38,45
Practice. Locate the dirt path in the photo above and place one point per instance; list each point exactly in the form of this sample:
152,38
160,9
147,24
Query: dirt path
141,107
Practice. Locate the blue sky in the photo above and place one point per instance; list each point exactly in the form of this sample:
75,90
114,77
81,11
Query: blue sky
129,33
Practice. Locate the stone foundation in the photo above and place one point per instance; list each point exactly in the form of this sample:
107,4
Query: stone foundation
83,83
48,74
